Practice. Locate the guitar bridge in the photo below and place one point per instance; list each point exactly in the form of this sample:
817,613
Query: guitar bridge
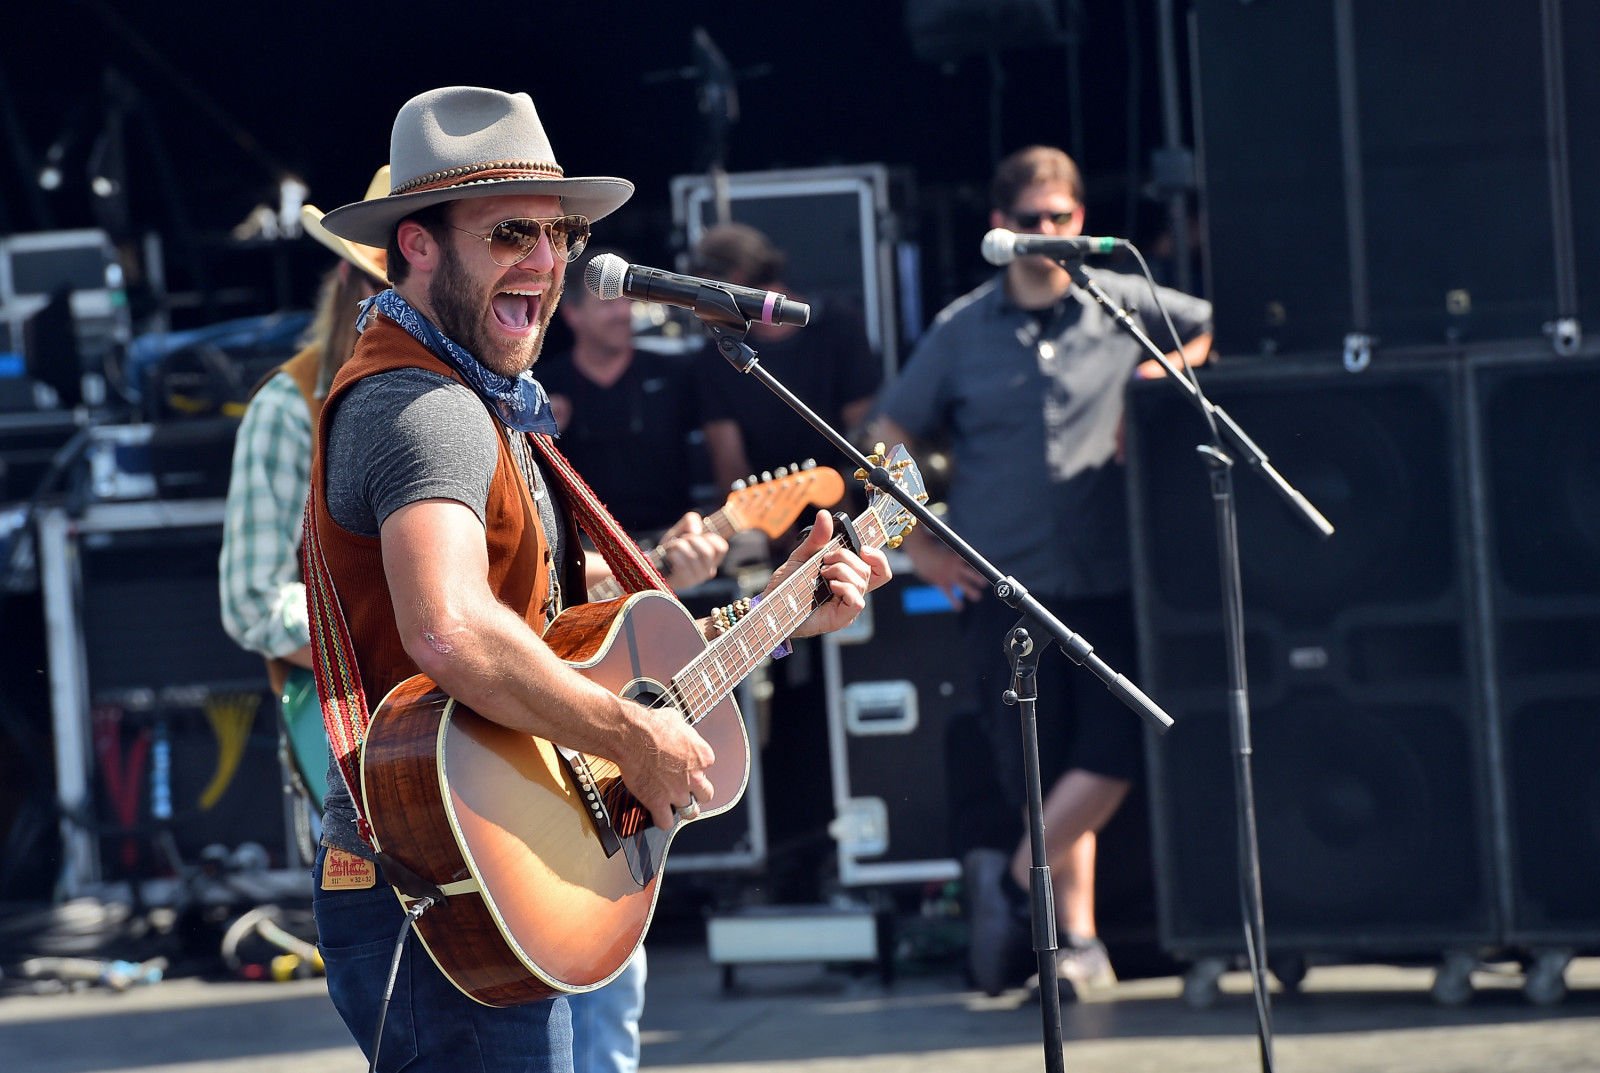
619,821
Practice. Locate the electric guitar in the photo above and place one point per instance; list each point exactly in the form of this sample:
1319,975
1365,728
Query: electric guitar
548,867
770,504
306,738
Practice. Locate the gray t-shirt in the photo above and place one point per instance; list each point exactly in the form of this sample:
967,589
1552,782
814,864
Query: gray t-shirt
1031,403
397,438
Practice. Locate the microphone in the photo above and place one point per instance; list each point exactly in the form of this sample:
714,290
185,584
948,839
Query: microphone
609,276
1001,247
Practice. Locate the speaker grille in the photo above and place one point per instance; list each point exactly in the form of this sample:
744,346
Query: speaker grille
1541,452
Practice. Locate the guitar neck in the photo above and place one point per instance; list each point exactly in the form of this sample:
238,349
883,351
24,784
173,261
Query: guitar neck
611,588
713,674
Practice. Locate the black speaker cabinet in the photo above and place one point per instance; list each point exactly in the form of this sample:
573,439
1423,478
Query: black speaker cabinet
1394,170
1541,463
1370,764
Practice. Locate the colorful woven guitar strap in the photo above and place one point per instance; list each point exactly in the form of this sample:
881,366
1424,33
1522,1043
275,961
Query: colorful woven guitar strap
345,714
629,564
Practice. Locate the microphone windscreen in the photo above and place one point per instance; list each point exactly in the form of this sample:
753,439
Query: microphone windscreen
999,246
604,276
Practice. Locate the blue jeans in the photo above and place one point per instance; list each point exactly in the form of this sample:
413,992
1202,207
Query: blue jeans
430,1025
605,1022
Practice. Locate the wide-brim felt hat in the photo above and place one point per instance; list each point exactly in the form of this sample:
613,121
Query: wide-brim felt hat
373,260
464,142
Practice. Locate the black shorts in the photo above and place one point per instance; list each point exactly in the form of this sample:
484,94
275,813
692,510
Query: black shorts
1081,724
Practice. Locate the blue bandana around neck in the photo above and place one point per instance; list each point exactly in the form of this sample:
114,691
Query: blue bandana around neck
521,403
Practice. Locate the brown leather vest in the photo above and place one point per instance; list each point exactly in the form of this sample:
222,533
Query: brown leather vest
518,553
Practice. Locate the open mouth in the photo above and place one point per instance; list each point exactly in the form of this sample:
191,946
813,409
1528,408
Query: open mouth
517,309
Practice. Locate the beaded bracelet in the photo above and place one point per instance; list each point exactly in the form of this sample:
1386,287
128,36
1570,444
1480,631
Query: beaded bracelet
723,619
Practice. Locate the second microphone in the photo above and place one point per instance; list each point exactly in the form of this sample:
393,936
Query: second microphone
609,276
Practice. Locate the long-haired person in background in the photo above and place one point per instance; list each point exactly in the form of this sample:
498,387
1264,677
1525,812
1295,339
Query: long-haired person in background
263,597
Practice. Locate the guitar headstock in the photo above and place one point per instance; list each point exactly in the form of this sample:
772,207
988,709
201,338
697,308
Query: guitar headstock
772,501
895,519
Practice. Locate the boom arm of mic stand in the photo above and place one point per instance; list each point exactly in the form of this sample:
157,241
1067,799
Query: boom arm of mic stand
724,325
1219,419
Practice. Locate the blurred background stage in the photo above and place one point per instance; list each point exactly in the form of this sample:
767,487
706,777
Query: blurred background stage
1385,202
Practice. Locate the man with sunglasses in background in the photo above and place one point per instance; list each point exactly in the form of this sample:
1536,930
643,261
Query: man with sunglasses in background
443,538
1025,378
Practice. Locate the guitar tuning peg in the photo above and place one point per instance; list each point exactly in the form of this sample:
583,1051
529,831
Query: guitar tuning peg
810,463
861,474
922,497
739,485
766,475
895,542
781,471
752,479
879,449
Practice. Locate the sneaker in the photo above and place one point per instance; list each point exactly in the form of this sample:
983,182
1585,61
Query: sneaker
1082,965
998,943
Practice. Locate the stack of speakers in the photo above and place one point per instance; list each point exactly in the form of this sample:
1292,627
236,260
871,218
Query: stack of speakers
1404,174
1423,687
1395,186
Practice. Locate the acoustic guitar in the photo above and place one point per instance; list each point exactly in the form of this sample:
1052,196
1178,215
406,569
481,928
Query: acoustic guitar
549,867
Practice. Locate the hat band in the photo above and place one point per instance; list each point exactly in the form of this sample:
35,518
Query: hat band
480,173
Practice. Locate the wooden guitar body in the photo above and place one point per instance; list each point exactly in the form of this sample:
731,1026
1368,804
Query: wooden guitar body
503,823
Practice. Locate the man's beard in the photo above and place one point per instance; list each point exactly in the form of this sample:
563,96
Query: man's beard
463,313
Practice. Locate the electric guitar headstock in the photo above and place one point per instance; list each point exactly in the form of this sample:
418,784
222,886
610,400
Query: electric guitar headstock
772,501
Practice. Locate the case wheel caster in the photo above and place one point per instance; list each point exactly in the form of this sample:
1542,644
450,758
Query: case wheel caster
1545,983
1452,981
1290,971
1201,982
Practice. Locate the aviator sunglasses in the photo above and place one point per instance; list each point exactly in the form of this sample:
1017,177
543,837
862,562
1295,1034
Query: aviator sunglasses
510,241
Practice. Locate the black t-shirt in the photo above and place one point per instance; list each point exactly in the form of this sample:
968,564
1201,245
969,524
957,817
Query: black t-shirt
827,364
633,442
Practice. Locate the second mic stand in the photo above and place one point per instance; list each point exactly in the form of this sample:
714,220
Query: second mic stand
728,327
1219,463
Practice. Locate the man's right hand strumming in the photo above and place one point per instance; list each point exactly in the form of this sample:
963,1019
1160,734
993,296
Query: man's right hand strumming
665,763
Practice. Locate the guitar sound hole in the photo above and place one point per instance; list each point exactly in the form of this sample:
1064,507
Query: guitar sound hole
646,692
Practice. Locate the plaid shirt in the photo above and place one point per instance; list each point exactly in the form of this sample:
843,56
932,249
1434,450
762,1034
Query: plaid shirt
263,598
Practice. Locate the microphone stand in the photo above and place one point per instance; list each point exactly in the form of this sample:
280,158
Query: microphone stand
1219,463
728,327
